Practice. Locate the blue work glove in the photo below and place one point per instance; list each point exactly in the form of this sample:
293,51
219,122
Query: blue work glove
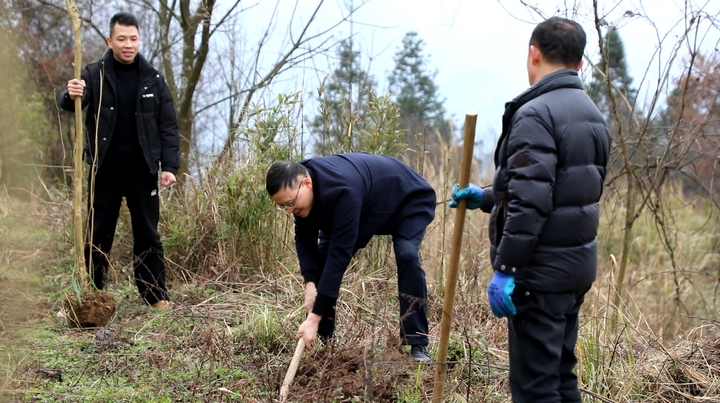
472,193
500,291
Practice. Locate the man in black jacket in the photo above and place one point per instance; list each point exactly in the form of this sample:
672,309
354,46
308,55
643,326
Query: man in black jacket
342,201
550,167
131,134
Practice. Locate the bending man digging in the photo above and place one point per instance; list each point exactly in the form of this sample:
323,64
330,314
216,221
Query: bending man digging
339,203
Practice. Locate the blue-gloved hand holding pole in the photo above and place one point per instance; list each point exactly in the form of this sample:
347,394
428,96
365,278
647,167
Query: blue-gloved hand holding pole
500,292
472,193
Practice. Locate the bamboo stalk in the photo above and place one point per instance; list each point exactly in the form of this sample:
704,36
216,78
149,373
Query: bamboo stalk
452,273
78,151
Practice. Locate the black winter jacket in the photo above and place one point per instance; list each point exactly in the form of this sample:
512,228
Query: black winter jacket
156,121
550,167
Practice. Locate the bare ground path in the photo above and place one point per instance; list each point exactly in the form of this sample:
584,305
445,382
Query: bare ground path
26,250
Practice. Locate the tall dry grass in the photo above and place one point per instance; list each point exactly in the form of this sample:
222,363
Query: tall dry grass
672,281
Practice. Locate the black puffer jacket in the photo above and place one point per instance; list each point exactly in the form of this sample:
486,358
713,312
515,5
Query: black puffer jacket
550,168
156,121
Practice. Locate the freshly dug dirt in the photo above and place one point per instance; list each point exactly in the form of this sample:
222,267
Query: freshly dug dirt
95,309
349,373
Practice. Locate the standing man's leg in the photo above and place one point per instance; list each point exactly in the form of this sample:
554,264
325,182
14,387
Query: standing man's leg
106,198
143,202
537,345
412,290
569,391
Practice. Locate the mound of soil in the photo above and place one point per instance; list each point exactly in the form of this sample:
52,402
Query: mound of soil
351,372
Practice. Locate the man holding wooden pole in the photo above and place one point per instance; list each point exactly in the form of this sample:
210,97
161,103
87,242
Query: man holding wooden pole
550,164
131,135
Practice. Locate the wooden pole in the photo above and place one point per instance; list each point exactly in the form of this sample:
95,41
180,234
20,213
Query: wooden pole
452,275
78,151
285,388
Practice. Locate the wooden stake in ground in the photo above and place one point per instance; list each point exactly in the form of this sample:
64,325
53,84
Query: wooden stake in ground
452,275
292,369
78,152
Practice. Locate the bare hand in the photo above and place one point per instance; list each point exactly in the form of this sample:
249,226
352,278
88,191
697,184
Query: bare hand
308,330
76,88
167,179
310,295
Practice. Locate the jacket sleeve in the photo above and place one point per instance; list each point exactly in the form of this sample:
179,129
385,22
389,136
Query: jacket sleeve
531,176
69,104
306,245
341,247
488,200
168,131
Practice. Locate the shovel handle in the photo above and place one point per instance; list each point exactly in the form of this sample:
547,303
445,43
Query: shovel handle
285,388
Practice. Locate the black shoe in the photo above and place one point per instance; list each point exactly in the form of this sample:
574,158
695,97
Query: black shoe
419,353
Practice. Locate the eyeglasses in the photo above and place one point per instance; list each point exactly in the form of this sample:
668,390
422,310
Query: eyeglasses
291,205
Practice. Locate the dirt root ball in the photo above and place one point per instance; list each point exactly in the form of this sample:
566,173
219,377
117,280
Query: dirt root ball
94,309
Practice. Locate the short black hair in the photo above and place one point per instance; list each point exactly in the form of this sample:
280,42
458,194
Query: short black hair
283,174
561,41
124,19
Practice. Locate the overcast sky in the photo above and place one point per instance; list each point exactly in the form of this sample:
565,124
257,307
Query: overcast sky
479,47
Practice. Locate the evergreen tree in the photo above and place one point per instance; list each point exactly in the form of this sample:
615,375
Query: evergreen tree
344,97
413,89
626,123
614,51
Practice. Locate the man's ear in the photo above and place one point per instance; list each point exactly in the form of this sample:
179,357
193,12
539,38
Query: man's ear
109,42
579,66
535,55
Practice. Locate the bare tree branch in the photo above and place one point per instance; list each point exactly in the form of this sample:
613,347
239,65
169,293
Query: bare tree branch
83,19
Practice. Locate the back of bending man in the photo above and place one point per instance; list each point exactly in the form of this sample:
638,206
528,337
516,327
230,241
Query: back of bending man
339,203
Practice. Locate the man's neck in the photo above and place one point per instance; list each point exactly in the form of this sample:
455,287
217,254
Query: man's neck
547,69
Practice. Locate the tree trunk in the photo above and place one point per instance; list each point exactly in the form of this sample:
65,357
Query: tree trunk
185,123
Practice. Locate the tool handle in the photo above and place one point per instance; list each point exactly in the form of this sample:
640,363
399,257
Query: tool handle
285,388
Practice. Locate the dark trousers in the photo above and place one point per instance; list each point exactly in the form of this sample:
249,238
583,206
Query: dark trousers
541,343
412,291
127,177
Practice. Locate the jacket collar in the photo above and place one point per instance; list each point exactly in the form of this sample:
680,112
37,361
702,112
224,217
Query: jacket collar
565,78
143,65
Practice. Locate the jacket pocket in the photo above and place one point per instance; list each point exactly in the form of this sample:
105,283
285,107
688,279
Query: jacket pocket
148,103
